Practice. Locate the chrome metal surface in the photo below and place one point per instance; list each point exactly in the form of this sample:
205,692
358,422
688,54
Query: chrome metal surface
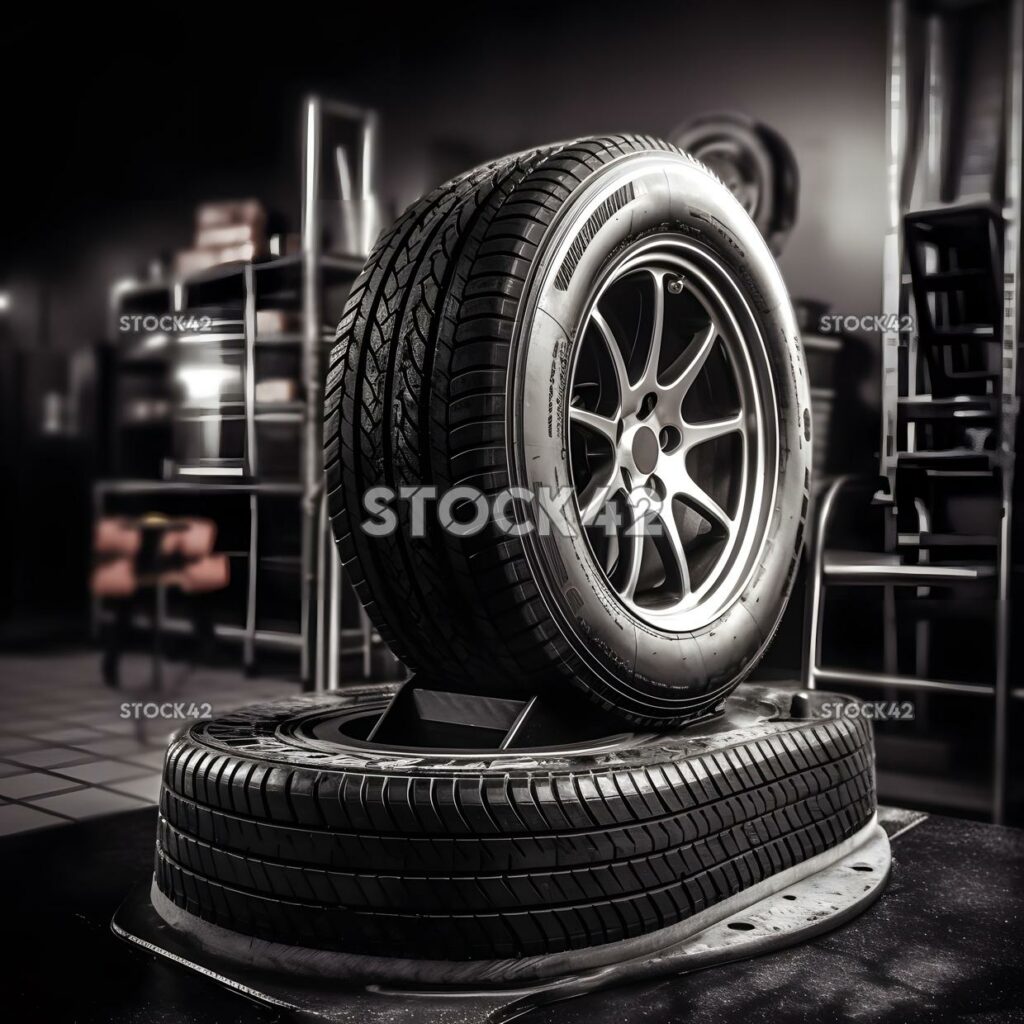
670,423
815,673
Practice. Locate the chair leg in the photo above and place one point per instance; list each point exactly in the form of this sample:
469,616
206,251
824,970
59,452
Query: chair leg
110,667
159,613
113,640
204,638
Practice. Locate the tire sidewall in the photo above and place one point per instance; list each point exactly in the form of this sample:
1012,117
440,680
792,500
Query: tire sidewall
273,735
745,131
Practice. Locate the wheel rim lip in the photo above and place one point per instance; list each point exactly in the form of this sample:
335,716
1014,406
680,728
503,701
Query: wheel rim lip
719,590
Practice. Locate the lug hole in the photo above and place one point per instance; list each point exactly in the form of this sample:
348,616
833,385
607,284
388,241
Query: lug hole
650,400
670,439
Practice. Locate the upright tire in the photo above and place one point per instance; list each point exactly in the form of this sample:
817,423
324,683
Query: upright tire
599,326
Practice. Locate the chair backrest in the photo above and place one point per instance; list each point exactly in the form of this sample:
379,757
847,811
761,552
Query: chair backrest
116,536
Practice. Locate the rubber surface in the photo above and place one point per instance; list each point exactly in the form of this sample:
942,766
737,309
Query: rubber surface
767,151
501,856
417,396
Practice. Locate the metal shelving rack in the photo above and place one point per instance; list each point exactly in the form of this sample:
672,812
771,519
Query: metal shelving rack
946,251
143,361
310,274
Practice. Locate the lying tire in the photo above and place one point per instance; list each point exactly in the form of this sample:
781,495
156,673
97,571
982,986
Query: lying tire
602,324
270,831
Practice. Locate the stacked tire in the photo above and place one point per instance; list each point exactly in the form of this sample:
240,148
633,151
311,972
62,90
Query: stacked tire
432,856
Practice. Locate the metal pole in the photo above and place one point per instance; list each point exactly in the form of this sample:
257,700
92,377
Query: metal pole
892,255
813,619
1008,419
367,213
322,609
159,616
252,460
333,677
249,640
311,316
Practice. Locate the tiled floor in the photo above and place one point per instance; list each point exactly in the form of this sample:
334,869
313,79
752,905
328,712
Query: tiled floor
68,752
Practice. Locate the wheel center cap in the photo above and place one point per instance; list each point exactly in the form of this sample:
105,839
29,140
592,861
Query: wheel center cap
645,450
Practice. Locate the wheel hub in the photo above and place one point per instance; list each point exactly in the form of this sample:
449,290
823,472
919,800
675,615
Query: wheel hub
645,450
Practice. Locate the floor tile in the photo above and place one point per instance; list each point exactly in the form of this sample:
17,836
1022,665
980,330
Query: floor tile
147,788
65,751
88,803
69,735
115,746
111,725
97,718
151,758
21,787
23,725
19,818
10,745
50,757
103,772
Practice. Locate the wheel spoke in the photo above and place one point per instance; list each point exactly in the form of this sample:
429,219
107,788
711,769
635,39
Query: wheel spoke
615,354
607,428
611,553
690,491
633,545
700,433
702,348
650,374
671,545
596,494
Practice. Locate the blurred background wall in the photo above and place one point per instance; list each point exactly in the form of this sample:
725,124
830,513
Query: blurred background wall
110,163
147,123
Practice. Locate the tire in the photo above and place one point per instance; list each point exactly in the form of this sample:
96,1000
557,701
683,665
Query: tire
756,164
270,833
459,363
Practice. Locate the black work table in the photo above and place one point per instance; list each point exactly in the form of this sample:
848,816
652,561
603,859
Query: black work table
943,943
